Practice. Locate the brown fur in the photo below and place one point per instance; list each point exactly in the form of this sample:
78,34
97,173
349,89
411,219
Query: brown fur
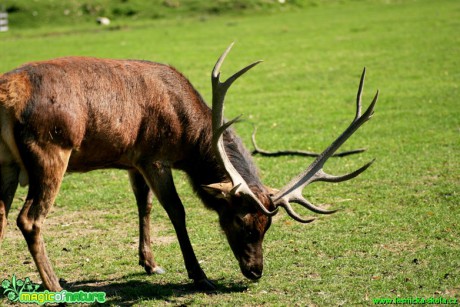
15,92
125,107
79,114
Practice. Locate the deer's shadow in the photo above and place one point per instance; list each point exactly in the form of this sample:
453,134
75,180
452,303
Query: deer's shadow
126,293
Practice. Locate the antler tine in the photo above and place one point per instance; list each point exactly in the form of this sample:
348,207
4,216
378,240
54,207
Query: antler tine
331,178
292,192
294,215
305,203
219,89
220,60
359,95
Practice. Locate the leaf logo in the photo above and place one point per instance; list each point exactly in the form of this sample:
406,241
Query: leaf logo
14,288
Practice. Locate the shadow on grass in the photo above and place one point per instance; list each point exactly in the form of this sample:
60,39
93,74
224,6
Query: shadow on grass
129,292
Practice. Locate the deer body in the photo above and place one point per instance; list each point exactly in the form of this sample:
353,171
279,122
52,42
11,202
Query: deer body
110,113
79,114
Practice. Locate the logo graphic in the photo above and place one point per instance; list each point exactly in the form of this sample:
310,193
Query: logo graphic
15,287
25,291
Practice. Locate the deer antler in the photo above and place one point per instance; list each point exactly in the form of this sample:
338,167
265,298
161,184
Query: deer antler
292,192
219,89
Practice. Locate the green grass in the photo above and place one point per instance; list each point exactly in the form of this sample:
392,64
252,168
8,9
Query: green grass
398,232
37,13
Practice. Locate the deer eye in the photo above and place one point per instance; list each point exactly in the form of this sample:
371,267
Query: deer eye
239,222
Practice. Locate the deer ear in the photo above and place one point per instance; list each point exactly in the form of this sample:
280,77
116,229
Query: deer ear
219,190
272,191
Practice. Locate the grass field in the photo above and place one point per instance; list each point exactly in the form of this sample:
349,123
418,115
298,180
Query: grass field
397,234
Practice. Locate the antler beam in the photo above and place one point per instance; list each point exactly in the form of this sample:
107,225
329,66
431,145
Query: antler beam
292,192
219,89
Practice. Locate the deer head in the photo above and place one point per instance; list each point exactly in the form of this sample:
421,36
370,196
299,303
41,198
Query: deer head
250,207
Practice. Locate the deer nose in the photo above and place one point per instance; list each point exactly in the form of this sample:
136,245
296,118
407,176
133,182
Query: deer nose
253,273
256,274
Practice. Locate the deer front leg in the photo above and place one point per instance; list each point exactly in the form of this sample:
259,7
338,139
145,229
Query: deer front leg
46,168
144,205
160,179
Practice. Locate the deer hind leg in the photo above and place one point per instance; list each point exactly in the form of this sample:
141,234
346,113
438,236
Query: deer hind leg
144,197
46,167
9,177
159,178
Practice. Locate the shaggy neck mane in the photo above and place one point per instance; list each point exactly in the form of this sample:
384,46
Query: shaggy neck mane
203,168
200,162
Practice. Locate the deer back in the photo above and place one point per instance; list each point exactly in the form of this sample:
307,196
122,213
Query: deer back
110,112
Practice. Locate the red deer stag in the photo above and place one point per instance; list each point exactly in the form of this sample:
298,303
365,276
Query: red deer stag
79,114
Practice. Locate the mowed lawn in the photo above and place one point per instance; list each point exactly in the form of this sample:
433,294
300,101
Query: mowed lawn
397,234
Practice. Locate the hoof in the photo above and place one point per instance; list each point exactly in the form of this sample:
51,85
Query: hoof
151,268
158,270
205,285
